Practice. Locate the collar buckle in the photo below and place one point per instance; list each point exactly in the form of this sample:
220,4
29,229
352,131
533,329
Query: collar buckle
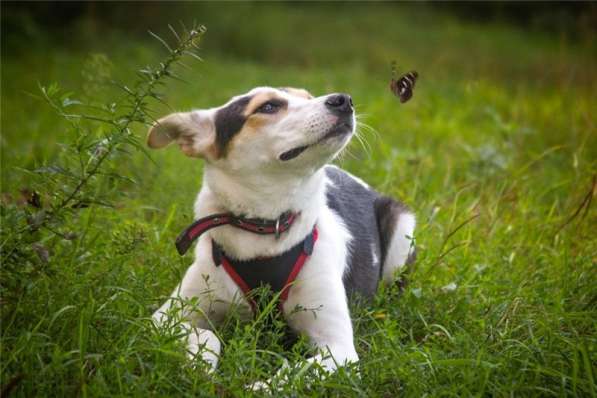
277,230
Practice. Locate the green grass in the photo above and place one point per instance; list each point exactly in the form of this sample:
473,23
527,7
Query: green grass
495,153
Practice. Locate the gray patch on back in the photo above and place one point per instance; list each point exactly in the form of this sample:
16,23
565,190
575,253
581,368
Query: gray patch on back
355,204
371,219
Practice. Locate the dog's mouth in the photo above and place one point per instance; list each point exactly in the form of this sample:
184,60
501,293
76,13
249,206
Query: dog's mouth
340,129
293,153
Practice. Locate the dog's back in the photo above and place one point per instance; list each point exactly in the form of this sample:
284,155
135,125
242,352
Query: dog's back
381,230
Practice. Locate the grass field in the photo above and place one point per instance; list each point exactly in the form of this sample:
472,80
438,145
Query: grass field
496,153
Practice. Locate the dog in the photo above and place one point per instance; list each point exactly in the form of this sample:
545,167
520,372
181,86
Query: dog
272,210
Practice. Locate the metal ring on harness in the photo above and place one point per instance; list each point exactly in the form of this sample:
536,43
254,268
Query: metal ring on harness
277,232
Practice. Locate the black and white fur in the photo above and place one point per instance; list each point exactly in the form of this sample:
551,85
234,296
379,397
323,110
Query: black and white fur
363,237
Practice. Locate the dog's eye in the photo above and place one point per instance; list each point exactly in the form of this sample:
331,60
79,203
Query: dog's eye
269,107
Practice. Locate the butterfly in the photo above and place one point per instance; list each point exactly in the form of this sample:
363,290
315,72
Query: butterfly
403,86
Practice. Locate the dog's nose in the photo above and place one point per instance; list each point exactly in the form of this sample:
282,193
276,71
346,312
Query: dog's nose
341,103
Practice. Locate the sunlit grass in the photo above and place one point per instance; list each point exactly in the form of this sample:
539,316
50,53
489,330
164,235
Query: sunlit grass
495,152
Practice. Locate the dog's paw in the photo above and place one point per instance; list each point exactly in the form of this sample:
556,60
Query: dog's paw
204,346
274,383
260,386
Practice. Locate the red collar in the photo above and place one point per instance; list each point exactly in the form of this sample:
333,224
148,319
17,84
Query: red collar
255,225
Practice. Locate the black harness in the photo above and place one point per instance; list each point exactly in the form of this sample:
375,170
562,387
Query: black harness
278,273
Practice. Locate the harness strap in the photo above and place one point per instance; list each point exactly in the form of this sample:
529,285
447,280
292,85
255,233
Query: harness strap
278,272
255,225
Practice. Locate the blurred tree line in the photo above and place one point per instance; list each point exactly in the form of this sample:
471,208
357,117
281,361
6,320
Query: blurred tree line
21,19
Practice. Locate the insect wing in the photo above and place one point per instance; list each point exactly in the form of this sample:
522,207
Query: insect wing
406,85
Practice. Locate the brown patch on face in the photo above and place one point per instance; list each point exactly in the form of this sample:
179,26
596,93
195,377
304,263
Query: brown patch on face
255,121
260,99
212,153
297,92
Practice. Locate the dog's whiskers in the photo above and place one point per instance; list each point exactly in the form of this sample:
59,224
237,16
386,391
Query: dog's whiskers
366,127
346,152
364,144
359,134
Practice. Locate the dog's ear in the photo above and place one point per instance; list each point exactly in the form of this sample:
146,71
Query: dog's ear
193,131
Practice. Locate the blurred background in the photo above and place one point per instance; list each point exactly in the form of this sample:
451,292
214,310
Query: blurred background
496,153
484,55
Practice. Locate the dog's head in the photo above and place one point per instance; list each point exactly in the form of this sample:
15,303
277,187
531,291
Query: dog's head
264,130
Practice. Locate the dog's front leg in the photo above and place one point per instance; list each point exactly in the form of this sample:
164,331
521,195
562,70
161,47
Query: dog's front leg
192,318
319,310
203,342
325,319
